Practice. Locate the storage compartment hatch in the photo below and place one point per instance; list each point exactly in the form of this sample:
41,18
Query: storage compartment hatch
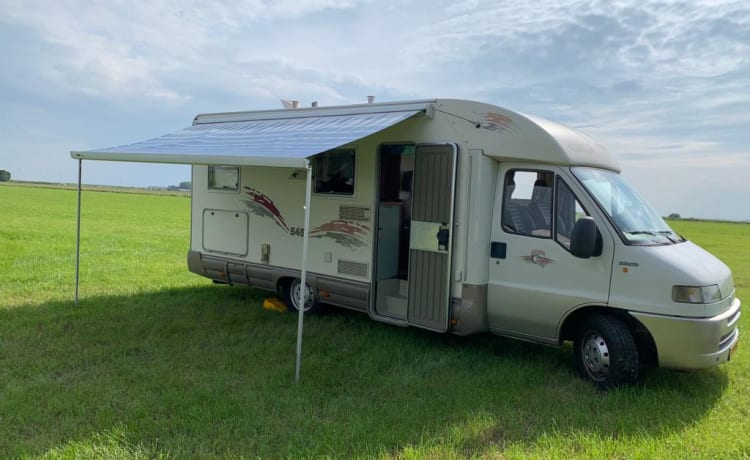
225,232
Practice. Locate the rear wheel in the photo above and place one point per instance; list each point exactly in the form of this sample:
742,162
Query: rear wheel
291,297
605,352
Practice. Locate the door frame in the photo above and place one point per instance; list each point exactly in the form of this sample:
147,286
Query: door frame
446,293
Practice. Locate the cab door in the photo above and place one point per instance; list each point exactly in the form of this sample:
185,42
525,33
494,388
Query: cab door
534,280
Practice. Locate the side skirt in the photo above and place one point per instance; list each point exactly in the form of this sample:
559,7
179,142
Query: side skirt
332,290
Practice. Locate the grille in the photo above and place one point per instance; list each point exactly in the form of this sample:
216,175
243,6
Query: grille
354,213
727,339
733,319
347,267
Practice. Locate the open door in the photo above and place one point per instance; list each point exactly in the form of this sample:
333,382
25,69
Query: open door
431,236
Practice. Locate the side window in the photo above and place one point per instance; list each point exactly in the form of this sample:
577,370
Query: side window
224,178
567,213
527,203
333,172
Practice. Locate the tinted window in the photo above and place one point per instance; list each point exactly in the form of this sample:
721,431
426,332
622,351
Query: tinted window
333,172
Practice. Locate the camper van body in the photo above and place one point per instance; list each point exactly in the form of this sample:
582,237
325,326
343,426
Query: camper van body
432,223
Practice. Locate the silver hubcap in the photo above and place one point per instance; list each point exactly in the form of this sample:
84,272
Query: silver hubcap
596,355
309,295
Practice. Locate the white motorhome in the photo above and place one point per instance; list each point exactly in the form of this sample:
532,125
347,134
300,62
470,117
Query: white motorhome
453,216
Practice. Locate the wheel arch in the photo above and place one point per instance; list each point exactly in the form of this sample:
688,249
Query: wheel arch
282,282
647,351
285,277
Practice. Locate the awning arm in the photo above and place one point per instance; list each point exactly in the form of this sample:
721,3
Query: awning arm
78,231
303,275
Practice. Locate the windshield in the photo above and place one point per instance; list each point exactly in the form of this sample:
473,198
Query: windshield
636,221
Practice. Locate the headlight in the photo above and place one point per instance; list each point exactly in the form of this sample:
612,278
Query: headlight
696,294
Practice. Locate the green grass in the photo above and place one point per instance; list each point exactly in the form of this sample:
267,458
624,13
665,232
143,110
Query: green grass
156,362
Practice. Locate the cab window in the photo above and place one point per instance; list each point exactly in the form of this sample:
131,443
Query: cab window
567,212
527,203
538,204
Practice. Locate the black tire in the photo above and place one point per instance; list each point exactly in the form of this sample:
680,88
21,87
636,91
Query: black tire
605,352
290,294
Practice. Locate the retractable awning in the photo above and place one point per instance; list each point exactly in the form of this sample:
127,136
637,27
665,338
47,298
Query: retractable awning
284,142
270,139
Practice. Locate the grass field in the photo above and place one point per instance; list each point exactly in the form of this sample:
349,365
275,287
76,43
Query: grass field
156,362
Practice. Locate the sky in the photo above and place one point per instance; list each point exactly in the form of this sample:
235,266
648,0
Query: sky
664,85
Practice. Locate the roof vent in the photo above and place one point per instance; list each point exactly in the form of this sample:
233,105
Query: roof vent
289,105
370,99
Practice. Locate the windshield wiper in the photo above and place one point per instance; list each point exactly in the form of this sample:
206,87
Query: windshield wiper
668,234
665,233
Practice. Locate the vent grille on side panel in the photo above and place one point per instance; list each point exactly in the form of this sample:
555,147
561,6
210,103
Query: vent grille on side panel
347,267
354,213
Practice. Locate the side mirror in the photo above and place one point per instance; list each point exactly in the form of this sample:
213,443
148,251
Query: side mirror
583,238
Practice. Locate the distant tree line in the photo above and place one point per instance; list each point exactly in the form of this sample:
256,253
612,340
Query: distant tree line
186,185
4,175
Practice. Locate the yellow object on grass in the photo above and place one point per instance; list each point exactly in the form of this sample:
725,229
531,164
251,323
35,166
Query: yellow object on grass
274,304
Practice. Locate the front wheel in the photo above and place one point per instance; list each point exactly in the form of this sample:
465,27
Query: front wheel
605,352
291,297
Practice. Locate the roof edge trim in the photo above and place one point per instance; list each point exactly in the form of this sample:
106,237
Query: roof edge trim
426,107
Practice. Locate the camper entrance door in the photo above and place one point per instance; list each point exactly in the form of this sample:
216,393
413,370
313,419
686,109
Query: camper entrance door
415,222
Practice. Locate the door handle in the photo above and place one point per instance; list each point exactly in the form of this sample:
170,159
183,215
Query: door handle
498,250
443,236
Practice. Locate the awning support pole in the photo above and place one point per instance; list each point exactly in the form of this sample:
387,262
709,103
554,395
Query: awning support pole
78,231
303,276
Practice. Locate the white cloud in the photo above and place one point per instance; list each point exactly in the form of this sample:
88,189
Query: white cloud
663,79
124,49
296,8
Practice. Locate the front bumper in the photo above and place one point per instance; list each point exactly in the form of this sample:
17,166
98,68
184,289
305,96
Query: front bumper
693,343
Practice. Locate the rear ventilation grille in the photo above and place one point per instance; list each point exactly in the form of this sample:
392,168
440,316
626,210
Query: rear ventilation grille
354,213
347,267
